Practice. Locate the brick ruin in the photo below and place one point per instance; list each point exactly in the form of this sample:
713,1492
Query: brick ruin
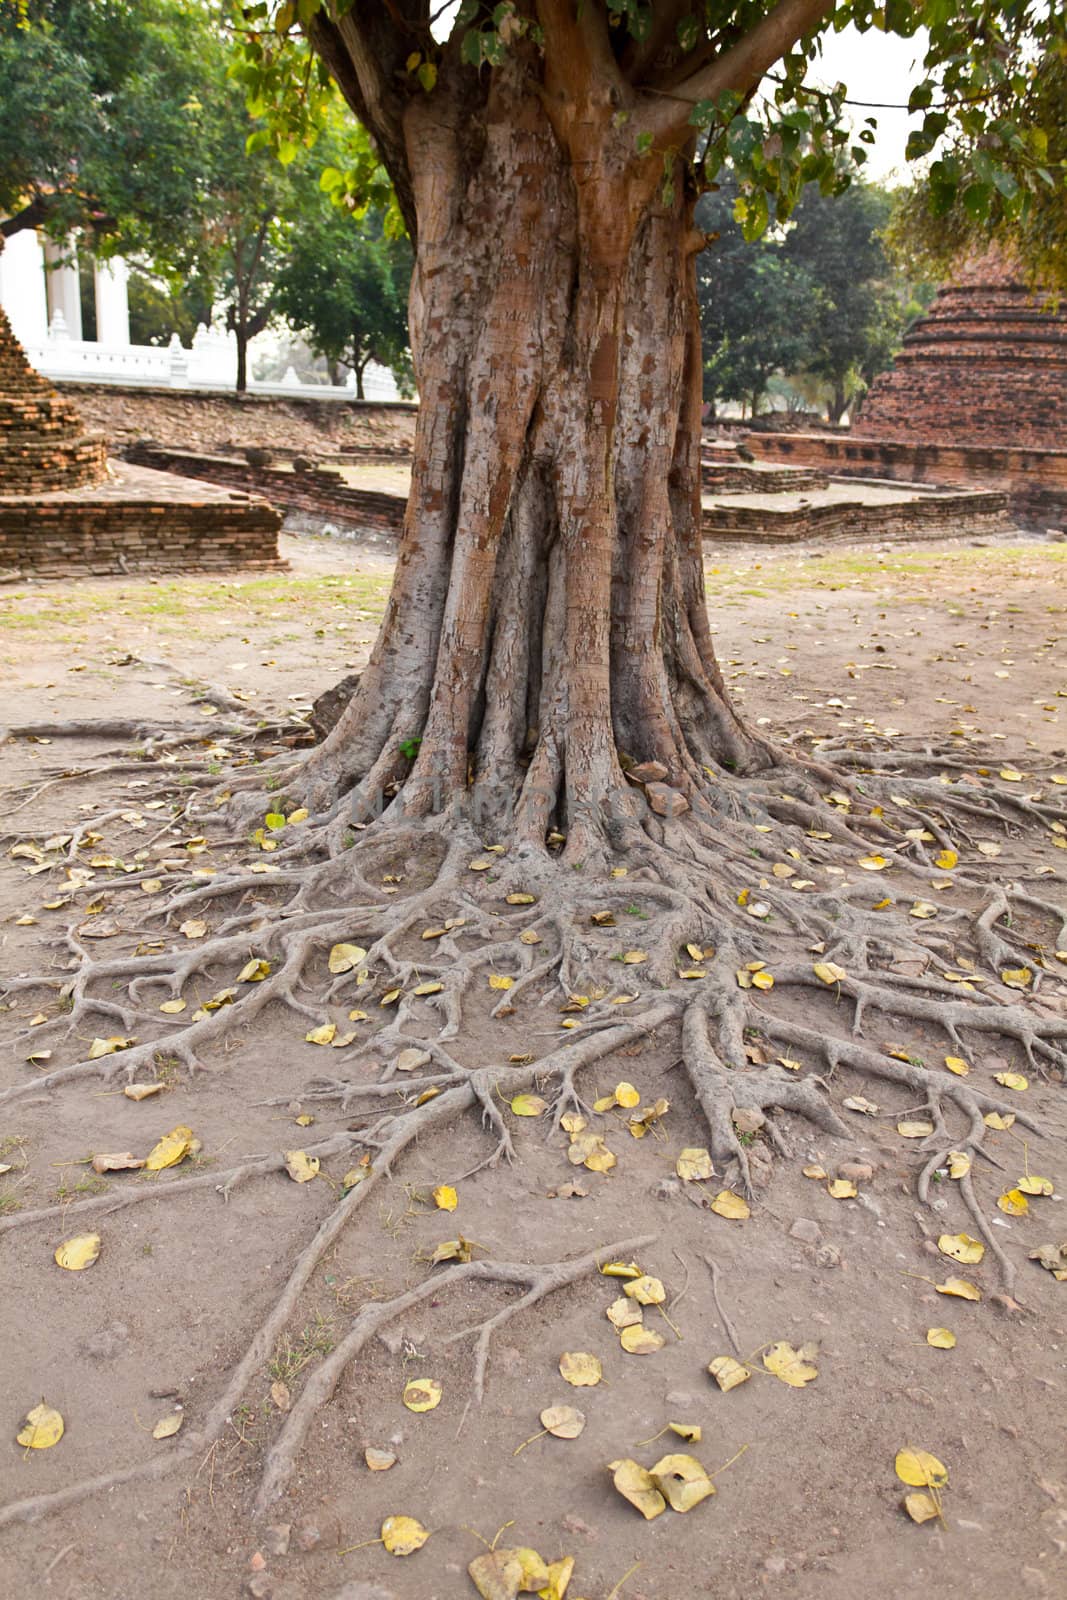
43,445
986,366
976,399
65,510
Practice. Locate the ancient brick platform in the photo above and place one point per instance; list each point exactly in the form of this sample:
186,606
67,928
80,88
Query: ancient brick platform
43,445
854,513
136,520
976,399
320,491
1035,481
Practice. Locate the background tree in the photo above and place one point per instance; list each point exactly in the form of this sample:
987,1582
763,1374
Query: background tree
98,101
757,305
857,315
815,299
965,195
344,281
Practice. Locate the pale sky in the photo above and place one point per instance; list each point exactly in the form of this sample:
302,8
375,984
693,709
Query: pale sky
876,67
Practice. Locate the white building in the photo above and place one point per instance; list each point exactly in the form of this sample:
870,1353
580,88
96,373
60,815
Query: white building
40,289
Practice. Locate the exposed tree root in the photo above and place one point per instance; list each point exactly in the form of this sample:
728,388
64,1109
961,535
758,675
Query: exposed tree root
385,885
537,1280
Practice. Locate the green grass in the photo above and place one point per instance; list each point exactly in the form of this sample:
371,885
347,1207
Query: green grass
901,569
184,601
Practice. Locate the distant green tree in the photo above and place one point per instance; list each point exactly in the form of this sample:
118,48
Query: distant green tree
965,197
856,322
344,284
756,305
816,298
98,100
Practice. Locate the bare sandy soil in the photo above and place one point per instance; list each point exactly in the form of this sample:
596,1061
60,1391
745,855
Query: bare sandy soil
955,644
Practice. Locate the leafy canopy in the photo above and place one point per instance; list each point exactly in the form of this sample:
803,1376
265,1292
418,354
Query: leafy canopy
685,76
98,108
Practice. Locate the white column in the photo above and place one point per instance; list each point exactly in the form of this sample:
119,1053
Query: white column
22,289
64,287
112,302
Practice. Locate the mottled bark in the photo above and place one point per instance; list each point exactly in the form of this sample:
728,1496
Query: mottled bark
547,624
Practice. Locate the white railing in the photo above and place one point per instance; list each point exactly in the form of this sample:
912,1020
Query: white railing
211,363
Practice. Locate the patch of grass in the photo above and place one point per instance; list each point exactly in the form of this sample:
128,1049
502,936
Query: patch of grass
9,1202
290,1358
67,1190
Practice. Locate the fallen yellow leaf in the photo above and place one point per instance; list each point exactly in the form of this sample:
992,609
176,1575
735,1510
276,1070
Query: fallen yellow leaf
580,1369
422,1394
919,1469
42,1428
636,1485
445,1197
728,1373
730,1205
794,1367
78,1253
172,1148
402,1536
961,1247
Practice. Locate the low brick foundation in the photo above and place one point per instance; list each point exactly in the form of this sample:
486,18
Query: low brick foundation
719,477
926,516
136,521
1035,481
319,491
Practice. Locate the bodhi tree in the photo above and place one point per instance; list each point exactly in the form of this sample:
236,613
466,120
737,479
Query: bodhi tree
543,714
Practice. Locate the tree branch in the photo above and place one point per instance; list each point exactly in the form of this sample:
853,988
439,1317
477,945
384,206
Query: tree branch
578,52
358,64
740,68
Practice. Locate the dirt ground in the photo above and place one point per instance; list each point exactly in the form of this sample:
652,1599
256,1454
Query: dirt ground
949,643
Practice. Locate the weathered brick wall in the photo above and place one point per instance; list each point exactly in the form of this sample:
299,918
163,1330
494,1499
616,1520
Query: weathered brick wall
43,445
320,491
986,366
721,478
937,517
208,423
49,538
1035,481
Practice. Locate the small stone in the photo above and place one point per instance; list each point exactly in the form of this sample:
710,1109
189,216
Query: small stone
856,1171
260,1587
666,802
648,772
573,1524
681,1397
276,1538
308,1533
746,1119
666,1189
258,1561
827,1255
806,1230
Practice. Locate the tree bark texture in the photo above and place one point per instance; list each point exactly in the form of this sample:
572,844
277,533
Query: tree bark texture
548,622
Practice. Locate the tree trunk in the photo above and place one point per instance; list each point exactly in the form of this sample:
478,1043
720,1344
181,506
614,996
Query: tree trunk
547,625
242,355
839,403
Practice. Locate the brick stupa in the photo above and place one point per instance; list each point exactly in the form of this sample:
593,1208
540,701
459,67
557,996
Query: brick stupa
987,365
43,446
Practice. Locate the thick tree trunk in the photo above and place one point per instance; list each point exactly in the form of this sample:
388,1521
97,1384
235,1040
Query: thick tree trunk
547,625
